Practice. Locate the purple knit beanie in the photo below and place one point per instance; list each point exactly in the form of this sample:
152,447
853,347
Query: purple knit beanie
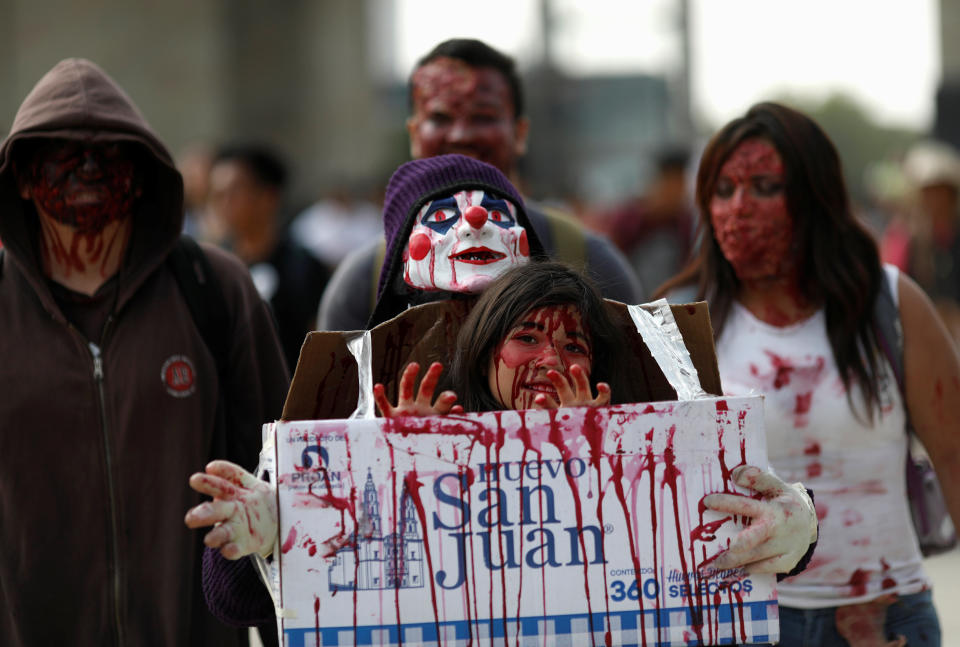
417,182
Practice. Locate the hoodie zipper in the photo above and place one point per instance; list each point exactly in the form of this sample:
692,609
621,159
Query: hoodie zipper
111,488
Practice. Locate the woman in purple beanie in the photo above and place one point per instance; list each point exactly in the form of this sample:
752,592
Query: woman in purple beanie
452,225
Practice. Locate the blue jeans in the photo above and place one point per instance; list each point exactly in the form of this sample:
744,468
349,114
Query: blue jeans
912,616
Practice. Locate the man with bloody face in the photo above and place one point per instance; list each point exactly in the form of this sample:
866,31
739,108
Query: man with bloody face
107,381
465,98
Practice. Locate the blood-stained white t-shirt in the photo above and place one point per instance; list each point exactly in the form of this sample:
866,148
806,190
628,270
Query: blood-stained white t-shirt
867,544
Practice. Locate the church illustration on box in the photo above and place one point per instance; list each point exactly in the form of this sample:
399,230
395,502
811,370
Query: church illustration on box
378,561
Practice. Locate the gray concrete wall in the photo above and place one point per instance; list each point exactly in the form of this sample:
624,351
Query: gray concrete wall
291,73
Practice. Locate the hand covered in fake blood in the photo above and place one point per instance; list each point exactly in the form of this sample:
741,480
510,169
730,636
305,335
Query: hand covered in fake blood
575,392
422,404
862,624
783,523
243,511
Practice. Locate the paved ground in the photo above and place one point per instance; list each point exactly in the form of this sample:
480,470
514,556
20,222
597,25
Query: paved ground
945,571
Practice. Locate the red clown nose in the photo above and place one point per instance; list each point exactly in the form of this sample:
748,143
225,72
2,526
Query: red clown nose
476,216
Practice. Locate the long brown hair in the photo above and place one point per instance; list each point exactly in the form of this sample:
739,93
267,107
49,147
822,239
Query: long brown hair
500,307
837,259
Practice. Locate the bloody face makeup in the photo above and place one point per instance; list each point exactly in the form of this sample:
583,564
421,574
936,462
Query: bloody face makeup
85,186
466,110
552,337
749,212
462,242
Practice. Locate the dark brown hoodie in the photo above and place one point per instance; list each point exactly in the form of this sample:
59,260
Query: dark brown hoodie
99,436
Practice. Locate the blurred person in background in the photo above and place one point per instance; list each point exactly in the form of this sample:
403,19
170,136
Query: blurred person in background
341,222
655,230
933,256
465,97
113,390
194,162
246,195
793,281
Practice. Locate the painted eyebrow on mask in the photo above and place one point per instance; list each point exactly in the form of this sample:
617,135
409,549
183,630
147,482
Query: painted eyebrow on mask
437,205
496,204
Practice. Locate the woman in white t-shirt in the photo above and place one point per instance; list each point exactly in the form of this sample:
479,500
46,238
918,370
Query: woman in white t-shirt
792,279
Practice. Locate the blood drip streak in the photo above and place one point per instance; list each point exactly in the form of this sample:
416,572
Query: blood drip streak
743,624
616,466
412,487
524,434
316,619
394,539
595,435
523,462
498,443
473,559
652,469
356,533
556,438
670,474
486,446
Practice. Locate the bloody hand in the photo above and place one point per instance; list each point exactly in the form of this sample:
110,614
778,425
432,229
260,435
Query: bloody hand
783,523
575,392
243,511
407,404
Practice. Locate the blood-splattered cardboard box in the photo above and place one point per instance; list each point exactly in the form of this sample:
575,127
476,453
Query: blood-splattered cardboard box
580,526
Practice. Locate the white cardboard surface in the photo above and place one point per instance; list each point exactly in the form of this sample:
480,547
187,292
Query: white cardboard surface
487,546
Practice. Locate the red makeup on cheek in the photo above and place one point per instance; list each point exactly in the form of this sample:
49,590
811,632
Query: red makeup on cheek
420,246
85,190
754,230
519,363
524,244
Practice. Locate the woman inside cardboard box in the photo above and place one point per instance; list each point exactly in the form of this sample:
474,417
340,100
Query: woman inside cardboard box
538,337
793,282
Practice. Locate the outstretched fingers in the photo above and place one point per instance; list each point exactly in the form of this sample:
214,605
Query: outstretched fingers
445,403
603,395
210,513
429,384
233,473
760,480
408,380
380,399
735,504
215,486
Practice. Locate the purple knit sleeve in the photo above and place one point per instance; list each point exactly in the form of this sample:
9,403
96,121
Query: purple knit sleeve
234,592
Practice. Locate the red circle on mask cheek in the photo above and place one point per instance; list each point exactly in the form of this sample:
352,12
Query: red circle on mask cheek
524,244
419,246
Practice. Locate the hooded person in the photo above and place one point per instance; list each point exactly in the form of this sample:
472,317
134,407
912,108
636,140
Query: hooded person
452,224
111,393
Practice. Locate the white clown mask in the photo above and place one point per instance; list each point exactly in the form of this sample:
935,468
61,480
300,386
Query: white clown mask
462,243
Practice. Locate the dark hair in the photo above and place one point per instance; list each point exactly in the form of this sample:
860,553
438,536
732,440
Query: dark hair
837,260
265,165
513,294
475,53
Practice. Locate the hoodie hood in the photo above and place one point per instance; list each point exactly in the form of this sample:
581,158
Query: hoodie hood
77,100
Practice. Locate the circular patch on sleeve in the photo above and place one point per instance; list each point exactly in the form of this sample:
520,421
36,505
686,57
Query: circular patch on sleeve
178,376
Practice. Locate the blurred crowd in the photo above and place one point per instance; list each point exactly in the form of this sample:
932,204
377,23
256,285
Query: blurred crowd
760,225
912,208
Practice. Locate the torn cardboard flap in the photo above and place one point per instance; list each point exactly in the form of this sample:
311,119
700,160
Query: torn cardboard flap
325,384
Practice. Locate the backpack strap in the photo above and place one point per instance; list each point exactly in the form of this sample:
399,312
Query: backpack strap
568,238
201,291
208,307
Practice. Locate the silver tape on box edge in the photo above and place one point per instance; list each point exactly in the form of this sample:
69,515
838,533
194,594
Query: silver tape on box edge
658,328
